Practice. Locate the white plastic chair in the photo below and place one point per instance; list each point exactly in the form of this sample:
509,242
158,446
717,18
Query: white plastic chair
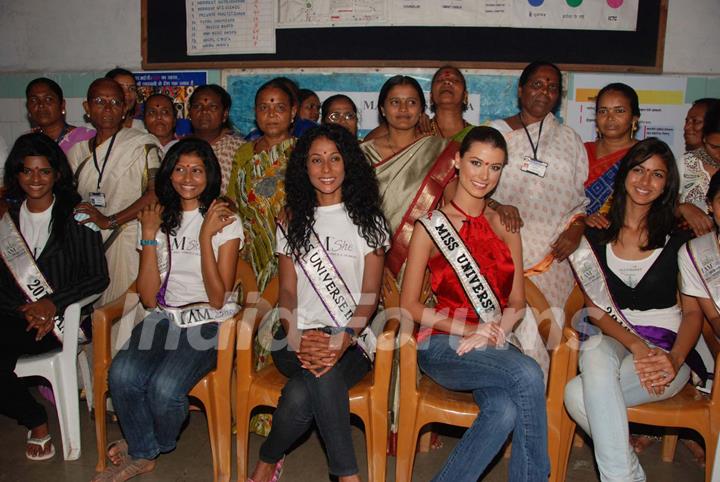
59,367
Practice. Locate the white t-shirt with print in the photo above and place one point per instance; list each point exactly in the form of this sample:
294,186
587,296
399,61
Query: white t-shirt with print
185,284
35,228
347,249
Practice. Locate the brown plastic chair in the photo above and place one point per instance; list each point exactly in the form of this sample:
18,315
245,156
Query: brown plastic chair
688,409
213,390
368,398
426,402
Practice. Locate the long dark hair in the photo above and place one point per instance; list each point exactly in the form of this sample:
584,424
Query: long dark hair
66,195
169,198
360,191
660,219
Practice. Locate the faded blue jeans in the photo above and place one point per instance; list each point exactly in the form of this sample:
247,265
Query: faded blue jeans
598,398
151,376
509,389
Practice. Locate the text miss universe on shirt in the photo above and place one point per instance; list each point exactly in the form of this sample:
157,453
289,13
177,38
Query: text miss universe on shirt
185,284
347,249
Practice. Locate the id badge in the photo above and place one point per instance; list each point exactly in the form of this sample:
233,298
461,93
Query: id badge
97,199
534,166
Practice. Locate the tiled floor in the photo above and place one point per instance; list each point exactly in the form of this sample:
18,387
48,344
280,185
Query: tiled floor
191,460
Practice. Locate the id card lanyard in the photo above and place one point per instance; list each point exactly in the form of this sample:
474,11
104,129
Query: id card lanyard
107,156
533,146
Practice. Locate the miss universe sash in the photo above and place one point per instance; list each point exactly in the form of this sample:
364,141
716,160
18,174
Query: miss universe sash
474,284
592,279
476,287
21,264
329,285
705,256
192,314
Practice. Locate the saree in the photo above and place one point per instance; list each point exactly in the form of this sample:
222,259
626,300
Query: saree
124,181
225,148
258,188
601,177
411,184
547,204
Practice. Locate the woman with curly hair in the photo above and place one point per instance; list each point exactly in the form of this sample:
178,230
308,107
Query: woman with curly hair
40,195
188,253
334,219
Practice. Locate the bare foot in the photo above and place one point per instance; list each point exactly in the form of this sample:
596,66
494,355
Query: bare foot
641,442
698,452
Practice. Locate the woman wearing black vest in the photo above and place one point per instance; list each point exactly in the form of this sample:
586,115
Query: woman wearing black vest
648,358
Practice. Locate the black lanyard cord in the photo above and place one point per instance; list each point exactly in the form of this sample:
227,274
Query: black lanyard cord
107,156
533,146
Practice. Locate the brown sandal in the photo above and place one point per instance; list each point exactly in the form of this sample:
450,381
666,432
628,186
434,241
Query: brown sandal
127,470
117,452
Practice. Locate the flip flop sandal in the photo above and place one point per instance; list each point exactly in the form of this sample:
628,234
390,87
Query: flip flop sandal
121,451
278,470
42,443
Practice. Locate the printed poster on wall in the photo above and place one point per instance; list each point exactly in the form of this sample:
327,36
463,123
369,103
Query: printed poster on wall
555,14
230,26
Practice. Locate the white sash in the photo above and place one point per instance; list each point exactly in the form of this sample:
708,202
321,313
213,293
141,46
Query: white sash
705,255
476,287
21,264
333,291
591,277
193,314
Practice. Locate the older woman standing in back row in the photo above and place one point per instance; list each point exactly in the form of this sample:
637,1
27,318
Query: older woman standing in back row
115,172
547,166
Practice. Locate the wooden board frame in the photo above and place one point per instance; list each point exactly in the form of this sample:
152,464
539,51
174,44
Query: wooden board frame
248,61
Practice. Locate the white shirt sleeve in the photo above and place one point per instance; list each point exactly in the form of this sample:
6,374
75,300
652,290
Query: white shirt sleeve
232,231
690,282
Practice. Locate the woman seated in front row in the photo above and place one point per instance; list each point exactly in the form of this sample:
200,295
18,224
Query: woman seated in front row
41,241
643,350
462,343
189,250
335,231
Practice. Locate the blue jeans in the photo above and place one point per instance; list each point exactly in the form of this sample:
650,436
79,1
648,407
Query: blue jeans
509,389
598,398
151,376
307,398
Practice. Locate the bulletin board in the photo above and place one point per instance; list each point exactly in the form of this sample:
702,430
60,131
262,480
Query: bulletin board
164,45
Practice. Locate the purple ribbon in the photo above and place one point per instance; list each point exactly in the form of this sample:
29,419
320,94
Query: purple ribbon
665,339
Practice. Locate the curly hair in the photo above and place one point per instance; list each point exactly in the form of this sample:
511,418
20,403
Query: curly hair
169,198
360,191
64,189
661,219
